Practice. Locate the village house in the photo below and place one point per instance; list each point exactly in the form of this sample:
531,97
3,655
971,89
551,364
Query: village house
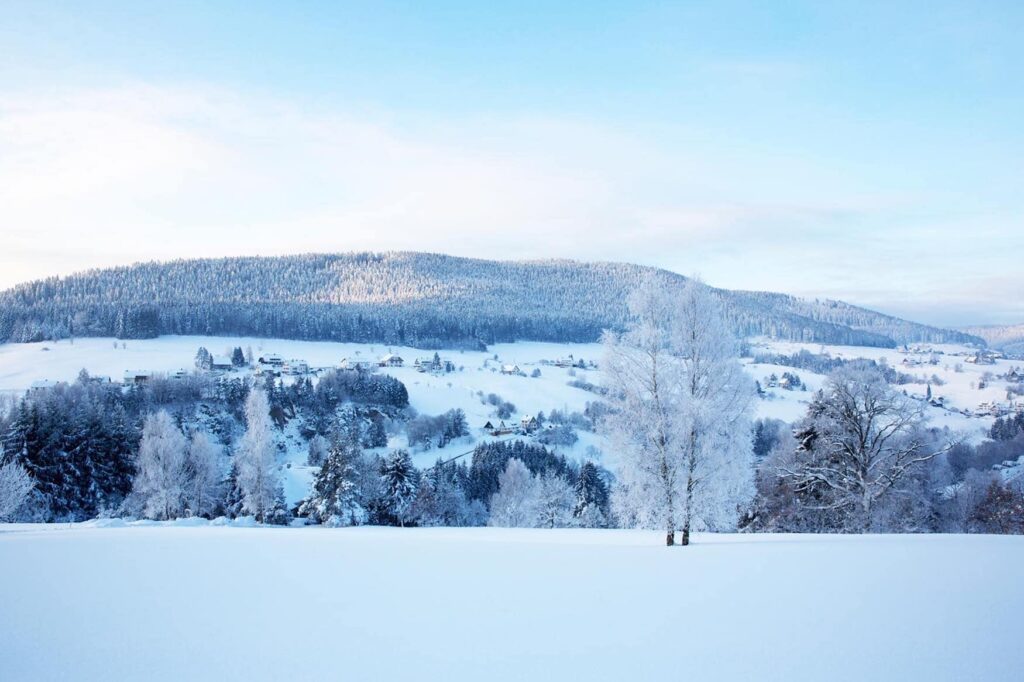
982,357
512,370
391,360
352,364
500,429
41,385
296,367
529,424
136,377
272,359
221,363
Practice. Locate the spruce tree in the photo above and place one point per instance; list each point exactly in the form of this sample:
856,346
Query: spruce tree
399,481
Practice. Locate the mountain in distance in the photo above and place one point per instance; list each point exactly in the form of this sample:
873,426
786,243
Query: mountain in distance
405,298
1008,338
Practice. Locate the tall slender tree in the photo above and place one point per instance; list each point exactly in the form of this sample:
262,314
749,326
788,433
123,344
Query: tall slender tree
256,473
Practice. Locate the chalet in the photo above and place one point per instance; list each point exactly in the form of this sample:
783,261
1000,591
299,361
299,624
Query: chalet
136,377
565,362
41,385
178,374
499,429
221,363
391,360
785,383
529,424
512,370
272,359
1015,376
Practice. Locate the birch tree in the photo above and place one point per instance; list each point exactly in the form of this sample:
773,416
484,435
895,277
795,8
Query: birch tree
161,475
257,478
682,420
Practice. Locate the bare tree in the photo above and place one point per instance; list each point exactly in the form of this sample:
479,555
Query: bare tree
860,440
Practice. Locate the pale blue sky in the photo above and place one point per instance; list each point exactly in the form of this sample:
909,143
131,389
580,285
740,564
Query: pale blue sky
867,151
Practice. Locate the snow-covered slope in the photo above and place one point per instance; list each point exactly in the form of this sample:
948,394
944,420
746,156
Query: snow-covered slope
479,373
179,603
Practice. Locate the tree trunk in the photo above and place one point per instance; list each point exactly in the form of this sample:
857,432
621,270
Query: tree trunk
670,539
686,535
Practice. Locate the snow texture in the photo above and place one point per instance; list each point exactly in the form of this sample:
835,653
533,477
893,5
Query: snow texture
170,602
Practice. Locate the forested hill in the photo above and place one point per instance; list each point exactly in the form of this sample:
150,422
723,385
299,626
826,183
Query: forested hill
1009,338
416,299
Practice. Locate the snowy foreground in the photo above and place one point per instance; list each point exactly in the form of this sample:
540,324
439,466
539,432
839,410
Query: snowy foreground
201,603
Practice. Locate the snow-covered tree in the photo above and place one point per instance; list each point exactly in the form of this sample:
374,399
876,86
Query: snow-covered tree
555,502
683,412
334,500
441,499
205,469
162,477
515,503
15,485
256,473
319,448
591,498
203,359
399,482
860,441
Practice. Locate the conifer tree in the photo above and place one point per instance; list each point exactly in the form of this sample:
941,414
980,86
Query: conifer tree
399,481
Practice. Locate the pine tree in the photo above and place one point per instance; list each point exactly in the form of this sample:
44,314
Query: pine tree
335,497
399,481
591,496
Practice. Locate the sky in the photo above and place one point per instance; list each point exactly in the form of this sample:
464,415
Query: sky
866,151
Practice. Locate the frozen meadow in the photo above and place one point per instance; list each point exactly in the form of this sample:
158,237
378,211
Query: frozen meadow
173,602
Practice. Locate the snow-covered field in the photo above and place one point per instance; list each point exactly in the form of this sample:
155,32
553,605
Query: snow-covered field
182,603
